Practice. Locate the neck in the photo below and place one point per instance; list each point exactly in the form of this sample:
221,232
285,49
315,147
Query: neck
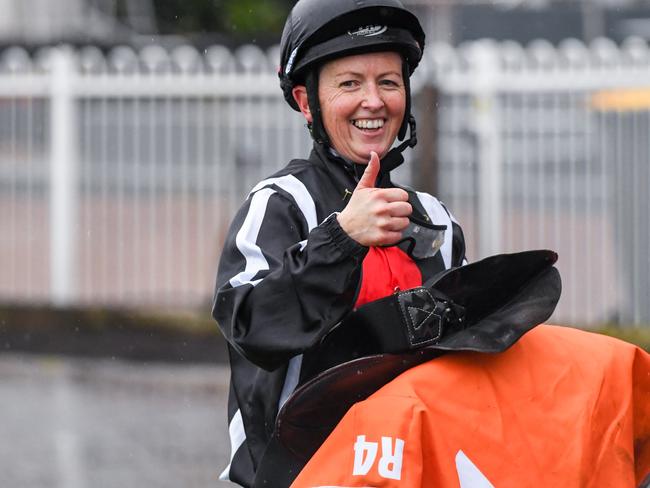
330,155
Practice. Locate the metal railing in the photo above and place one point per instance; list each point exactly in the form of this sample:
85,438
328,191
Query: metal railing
547,147
120,171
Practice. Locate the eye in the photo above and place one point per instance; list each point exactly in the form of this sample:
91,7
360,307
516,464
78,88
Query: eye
390,83
348,84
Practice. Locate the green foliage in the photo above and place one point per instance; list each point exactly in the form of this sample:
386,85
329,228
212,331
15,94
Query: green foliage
635,335
243,20
188,16
252,17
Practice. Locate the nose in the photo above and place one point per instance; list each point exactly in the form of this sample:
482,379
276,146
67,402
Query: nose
372,99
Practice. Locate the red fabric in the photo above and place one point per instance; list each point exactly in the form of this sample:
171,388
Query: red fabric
562,407
386,269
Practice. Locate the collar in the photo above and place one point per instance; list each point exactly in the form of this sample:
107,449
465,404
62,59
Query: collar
330,156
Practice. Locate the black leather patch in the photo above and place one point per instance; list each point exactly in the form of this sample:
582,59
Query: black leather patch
422,314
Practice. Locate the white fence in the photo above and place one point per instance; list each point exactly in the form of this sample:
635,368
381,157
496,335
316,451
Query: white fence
548,147
119,172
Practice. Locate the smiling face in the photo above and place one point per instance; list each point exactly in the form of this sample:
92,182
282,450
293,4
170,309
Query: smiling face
362,100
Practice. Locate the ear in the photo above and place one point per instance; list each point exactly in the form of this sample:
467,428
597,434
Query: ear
299,93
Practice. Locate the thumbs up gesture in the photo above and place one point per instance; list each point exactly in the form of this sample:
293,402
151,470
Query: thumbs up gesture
375,216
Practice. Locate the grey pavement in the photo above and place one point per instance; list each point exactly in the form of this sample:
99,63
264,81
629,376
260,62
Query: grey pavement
78,423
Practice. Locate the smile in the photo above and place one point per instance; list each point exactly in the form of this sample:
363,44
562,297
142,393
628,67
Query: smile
368,123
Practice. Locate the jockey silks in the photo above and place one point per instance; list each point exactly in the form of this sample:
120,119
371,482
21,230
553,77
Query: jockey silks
288,275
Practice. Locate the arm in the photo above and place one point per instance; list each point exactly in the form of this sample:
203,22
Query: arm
281,286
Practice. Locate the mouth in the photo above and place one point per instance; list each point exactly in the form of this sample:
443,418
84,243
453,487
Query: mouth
369,125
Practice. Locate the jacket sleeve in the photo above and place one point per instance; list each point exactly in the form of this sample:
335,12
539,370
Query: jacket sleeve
280,285
458,257
453,250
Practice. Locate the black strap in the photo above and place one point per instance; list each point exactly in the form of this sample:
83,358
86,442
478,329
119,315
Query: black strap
425,317
394,157
317,127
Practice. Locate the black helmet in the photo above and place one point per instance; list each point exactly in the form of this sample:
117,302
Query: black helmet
320,30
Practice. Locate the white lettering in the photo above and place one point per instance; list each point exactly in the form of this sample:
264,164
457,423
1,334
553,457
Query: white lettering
369,30
390,464
364,456
468,474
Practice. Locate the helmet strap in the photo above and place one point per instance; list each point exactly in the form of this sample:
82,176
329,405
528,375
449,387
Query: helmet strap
406,79
316,128
394,157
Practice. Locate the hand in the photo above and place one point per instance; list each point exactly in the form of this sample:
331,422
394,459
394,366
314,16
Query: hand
375,216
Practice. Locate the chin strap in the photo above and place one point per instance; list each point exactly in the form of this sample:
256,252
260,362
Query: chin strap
387,164
316,127
394,157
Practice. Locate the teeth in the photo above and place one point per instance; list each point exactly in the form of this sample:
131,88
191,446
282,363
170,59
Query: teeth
368,123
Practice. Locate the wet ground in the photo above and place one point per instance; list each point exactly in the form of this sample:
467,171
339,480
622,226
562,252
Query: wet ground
77,423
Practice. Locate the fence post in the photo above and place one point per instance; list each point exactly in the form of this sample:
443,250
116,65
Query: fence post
426,169
485,62
64,180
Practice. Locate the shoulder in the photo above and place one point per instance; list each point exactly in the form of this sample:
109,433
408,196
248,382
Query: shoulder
292,186
436,209
453,247
424,198
295,177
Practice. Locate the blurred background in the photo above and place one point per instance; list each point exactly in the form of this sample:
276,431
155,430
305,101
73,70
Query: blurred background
131,130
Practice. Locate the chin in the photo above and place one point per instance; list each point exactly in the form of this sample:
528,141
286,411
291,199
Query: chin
361,153
381,152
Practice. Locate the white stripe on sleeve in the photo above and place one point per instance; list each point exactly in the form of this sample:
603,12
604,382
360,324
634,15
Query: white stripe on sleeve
298,191
439,216
291,379
246,240
237,438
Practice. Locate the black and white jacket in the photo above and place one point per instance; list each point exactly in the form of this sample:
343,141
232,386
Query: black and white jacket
288,274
